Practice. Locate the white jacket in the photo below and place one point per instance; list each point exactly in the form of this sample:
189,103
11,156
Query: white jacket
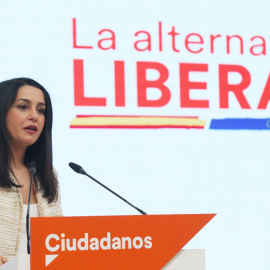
11,217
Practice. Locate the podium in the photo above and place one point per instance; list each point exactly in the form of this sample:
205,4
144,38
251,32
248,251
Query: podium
186,259
20,262
151,242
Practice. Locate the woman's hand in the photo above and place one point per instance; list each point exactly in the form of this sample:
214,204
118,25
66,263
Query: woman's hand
3,260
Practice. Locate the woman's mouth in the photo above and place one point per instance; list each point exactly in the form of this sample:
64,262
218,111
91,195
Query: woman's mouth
31,129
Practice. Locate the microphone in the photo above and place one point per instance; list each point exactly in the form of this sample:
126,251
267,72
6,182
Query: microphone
78,169
32,170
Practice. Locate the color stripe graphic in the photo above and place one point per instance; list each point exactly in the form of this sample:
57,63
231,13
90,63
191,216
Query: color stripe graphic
241,123
94,121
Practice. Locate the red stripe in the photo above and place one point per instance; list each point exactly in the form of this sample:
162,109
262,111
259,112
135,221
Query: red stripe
82,116
138,127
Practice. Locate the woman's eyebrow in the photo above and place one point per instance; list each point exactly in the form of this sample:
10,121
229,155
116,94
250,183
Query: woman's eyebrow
29,101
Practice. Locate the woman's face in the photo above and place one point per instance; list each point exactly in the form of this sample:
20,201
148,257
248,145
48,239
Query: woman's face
25,118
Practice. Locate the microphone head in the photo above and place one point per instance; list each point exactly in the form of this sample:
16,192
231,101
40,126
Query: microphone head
77,168
32,167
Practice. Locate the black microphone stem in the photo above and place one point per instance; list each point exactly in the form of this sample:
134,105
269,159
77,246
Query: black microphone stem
32,170
141,211
27,215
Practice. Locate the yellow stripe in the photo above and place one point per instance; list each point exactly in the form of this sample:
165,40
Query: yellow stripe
136,121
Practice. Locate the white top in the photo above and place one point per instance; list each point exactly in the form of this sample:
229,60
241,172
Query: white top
32,213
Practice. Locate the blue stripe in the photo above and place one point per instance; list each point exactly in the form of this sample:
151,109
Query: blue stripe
241,123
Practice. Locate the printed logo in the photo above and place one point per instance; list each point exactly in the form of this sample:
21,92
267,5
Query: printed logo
54,243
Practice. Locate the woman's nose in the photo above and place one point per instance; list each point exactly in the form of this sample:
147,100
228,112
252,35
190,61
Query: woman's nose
33,114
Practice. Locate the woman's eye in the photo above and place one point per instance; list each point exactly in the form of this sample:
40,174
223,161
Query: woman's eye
22,107
41,111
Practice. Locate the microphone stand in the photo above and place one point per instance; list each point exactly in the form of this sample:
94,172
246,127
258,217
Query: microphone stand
78,169
32,170
138,209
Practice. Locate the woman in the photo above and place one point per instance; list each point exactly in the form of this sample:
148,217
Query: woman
25,136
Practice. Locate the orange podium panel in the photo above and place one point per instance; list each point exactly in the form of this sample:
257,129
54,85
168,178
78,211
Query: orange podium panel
111,242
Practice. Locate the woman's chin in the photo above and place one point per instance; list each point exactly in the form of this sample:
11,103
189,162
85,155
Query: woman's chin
28,142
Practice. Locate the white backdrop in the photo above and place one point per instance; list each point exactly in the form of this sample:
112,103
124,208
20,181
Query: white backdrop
161,171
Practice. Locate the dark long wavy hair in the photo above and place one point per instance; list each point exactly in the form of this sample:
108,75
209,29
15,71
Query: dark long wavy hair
40,151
